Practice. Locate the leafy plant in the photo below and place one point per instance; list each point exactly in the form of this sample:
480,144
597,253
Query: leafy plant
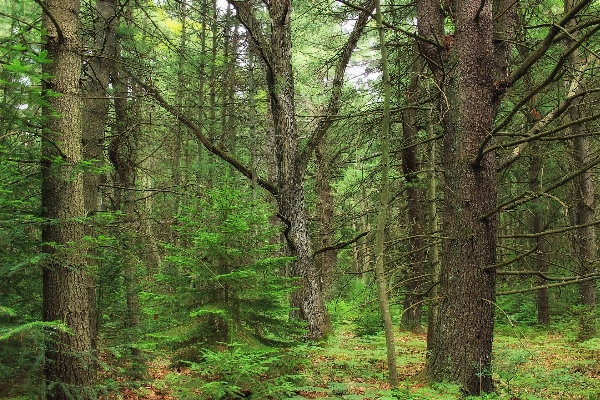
225,283
238,372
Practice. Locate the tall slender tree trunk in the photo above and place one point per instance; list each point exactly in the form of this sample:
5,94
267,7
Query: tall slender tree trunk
69,368
382,287
582,213
179,101
415,193
433,257
95,115
122,154
535,173
537,216
325,206
201,87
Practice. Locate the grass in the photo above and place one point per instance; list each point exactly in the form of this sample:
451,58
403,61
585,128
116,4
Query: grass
528,364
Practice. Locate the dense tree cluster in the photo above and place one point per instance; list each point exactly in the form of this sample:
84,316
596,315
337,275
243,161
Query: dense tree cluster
188,178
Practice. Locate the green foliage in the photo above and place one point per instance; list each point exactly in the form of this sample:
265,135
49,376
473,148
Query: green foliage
238,372
224,283
21,332
354,302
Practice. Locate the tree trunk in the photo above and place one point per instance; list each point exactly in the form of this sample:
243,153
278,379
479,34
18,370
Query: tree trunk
308,299
582,213
415,272
460,346
382,287
535,185
95,114
69,367
433,257
325,206
180,92
537,216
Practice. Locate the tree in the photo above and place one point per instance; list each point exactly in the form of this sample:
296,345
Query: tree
415,193
470,68
584,239
275,51
382,287
69,368
95,115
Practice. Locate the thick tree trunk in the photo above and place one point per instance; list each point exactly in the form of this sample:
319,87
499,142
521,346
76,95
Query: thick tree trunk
69,367
460,345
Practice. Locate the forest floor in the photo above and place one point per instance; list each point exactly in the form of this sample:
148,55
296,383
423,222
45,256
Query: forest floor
530,363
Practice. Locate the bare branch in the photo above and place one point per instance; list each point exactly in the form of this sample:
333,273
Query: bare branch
565,283
528,196
392,27
540,274
533,58
536,132
549,232
342,244
338,81
512,260
246,16
52,19
219,152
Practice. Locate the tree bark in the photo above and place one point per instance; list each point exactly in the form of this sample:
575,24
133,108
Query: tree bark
275,50
382,287
325,206
537,216
69,367
582,213
95,114
415,272
466,68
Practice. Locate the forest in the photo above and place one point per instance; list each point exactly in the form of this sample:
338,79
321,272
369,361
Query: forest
336,199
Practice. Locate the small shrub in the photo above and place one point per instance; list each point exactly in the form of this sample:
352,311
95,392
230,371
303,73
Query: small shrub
236,372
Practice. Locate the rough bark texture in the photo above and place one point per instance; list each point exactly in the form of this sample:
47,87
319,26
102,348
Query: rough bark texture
582,213
460,345
275,50
95,114
68,366
415,194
